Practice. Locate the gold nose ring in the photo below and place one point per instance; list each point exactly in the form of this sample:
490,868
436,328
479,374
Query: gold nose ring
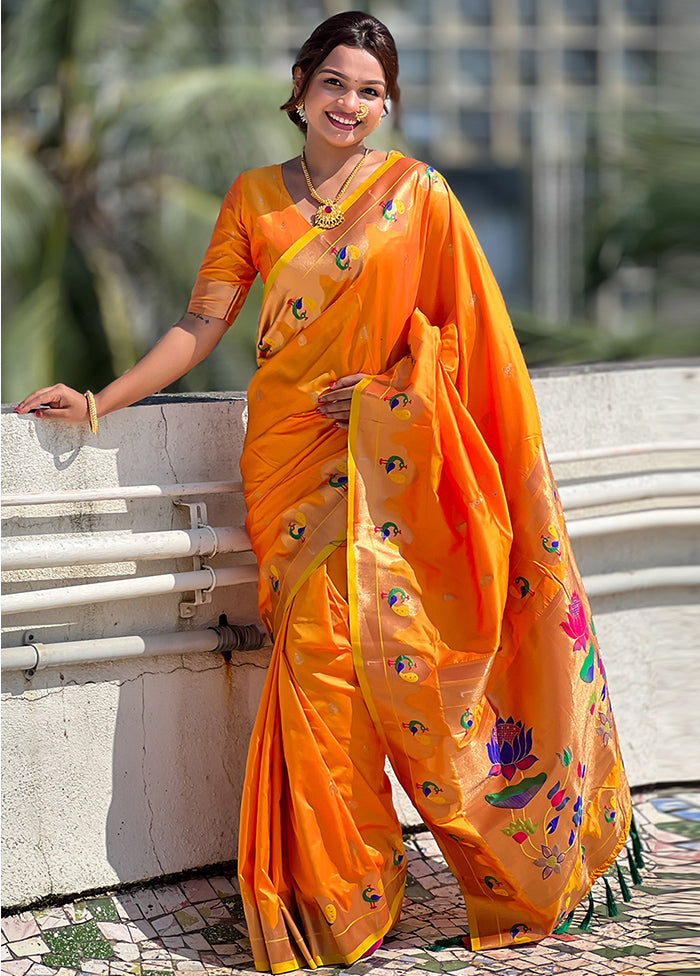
362,112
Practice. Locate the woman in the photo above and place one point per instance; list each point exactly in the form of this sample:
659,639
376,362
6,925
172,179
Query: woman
415,571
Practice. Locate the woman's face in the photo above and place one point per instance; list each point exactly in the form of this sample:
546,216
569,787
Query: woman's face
348,78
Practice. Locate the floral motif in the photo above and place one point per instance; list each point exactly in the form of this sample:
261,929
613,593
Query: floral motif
577,812
557,797
520,830
576,627
519,795
605,728
509,748
551,858
565,757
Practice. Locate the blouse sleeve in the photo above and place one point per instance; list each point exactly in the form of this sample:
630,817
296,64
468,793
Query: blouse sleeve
227,271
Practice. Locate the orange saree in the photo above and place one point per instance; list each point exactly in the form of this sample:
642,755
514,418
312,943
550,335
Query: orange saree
417,579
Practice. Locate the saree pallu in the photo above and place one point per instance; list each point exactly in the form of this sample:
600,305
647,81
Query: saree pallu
418,581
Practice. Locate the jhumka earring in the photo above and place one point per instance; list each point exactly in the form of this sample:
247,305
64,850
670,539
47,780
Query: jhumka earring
301,113
362,112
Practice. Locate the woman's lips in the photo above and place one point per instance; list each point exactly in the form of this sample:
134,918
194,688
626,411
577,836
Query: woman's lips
340,122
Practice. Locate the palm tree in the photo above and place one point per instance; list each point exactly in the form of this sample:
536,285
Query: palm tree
122,131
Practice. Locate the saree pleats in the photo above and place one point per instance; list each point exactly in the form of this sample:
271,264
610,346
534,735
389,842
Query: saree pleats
417,578
325,856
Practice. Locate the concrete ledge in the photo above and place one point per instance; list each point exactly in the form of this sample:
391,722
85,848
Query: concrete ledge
123,771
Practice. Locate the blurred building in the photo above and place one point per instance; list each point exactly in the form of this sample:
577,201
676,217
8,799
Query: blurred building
507,98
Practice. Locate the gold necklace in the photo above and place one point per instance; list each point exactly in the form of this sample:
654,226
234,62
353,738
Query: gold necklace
329,213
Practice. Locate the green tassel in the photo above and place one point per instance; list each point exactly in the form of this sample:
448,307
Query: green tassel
609,899
626,896
586,923
636,844
564,924
636,876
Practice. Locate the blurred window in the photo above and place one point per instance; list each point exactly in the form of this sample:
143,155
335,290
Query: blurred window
418,10
422,127
475,11
475,125
525,126
415,66
528,11
580,67
639,67
581,11
527,66
642,11
475,65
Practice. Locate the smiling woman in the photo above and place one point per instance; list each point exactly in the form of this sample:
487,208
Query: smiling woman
415,571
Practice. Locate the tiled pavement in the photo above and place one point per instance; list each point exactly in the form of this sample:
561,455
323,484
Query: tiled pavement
196,926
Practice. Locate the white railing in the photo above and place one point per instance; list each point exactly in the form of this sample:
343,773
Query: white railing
204,540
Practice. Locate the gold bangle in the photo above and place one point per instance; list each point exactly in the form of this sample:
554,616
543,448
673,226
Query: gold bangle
92,411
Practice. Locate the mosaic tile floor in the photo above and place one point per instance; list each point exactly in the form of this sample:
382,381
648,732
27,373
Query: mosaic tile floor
196,926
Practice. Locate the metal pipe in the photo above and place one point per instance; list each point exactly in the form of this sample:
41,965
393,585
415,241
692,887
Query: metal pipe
110,548
661,518
127,493
667,484
128,589
624,450
36,656
641,579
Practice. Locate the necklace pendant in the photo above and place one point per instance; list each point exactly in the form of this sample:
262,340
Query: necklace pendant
329,215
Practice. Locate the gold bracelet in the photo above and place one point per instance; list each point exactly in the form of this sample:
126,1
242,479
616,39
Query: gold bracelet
92,411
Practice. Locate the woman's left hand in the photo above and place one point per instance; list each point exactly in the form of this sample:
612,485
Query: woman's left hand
335,402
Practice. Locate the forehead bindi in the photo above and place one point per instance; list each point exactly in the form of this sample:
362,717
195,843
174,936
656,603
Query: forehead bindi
354,65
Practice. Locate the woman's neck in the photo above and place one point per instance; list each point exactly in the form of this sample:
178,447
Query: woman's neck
325,162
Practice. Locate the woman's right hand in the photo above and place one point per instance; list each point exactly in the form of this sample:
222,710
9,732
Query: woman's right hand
57,402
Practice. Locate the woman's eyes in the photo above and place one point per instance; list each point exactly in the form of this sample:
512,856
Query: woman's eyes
337,82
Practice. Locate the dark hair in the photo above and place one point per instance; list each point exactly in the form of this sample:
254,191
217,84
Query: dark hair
354,28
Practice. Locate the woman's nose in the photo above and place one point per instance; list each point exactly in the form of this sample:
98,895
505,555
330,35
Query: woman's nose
351,100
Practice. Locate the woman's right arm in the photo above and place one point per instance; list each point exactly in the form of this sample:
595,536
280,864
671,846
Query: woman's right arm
182,347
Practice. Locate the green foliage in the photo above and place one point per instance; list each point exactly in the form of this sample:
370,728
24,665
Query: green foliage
124,125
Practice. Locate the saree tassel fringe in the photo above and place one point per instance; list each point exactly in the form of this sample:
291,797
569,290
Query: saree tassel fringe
564,925
634,872
626,895
610,899
588,917
636,844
